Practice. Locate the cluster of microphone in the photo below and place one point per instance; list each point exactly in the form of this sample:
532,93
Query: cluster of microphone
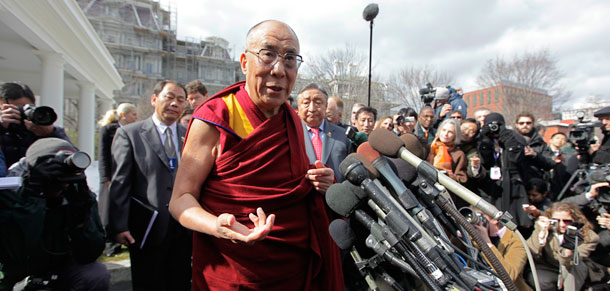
406,224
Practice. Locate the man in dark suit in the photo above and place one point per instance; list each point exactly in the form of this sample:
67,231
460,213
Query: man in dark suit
324,141
146,155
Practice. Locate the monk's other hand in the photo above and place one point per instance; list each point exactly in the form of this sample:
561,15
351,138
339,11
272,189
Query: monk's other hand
321,177
228,227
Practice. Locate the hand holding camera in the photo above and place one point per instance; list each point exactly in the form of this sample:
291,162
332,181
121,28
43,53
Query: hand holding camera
9,115
572,238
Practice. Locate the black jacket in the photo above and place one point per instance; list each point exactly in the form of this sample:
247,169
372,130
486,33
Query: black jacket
15,143
538,165
602,155
508,193
104,153
39,239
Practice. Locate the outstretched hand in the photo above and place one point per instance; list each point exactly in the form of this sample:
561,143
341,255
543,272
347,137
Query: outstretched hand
228,227
321,177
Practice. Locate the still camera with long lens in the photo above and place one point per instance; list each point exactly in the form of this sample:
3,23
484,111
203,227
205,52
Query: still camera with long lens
41,115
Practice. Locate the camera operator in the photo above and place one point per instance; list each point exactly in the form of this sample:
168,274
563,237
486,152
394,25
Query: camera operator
502,155
505,244
447,101
18,133
51,233
601,154
559,233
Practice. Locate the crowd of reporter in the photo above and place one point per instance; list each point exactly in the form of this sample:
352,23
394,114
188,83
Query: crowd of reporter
509,165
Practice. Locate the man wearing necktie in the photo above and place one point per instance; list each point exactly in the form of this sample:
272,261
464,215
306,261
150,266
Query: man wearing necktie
324,141
146,155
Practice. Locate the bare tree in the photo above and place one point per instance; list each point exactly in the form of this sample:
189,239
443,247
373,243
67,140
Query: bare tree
344,73
341,71
530,82
404,86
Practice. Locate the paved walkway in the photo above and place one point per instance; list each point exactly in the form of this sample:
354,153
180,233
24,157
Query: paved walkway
120,275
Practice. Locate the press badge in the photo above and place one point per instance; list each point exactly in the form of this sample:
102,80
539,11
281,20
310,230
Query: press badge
495,173
172,164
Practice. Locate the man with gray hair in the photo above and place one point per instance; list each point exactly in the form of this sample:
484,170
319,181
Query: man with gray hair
334,111
355,108
324,141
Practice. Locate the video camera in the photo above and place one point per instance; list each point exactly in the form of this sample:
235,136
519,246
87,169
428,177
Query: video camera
427,94
581,134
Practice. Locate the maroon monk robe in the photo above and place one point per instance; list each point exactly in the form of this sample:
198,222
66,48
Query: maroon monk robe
265,169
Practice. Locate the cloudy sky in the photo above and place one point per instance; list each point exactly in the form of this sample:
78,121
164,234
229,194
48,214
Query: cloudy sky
454,36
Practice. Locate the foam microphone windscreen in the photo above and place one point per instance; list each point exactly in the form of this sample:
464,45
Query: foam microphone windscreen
341,233
368,152
373,173
341,199
356,189
385,142
411,143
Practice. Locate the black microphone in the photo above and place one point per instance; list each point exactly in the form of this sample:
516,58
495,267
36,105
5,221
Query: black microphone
389,144
353,170
341,199
344,237
405,195
370,12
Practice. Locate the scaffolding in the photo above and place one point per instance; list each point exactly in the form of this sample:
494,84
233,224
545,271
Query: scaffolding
141,35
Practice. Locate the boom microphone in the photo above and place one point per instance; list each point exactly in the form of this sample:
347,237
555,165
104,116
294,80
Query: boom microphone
389,144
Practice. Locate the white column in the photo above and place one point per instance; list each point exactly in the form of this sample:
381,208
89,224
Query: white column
52,87
105,105
86,118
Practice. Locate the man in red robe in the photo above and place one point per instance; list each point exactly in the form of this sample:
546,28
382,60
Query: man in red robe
244,152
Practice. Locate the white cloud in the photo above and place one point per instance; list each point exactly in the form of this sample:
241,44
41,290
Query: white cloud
456,36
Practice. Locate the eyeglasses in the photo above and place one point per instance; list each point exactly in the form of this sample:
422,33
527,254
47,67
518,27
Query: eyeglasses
269,58
524,122
565,221
456,117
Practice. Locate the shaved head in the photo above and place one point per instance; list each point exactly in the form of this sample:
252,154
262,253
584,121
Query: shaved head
253,33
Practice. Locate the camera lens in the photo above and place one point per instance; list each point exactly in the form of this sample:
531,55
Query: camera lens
42,115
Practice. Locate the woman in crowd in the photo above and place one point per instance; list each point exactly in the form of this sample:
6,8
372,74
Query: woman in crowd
385,122
124,114
444,152
554,247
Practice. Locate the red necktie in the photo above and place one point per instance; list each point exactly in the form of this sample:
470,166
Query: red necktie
317,143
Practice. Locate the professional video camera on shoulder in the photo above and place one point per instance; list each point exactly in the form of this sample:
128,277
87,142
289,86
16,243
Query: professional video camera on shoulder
581,134
427,94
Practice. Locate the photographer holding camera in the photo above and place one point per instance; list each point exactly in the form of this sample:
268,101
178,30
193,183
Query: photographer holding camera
561,243
51,234
23,123
504,243
404,121
502,155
